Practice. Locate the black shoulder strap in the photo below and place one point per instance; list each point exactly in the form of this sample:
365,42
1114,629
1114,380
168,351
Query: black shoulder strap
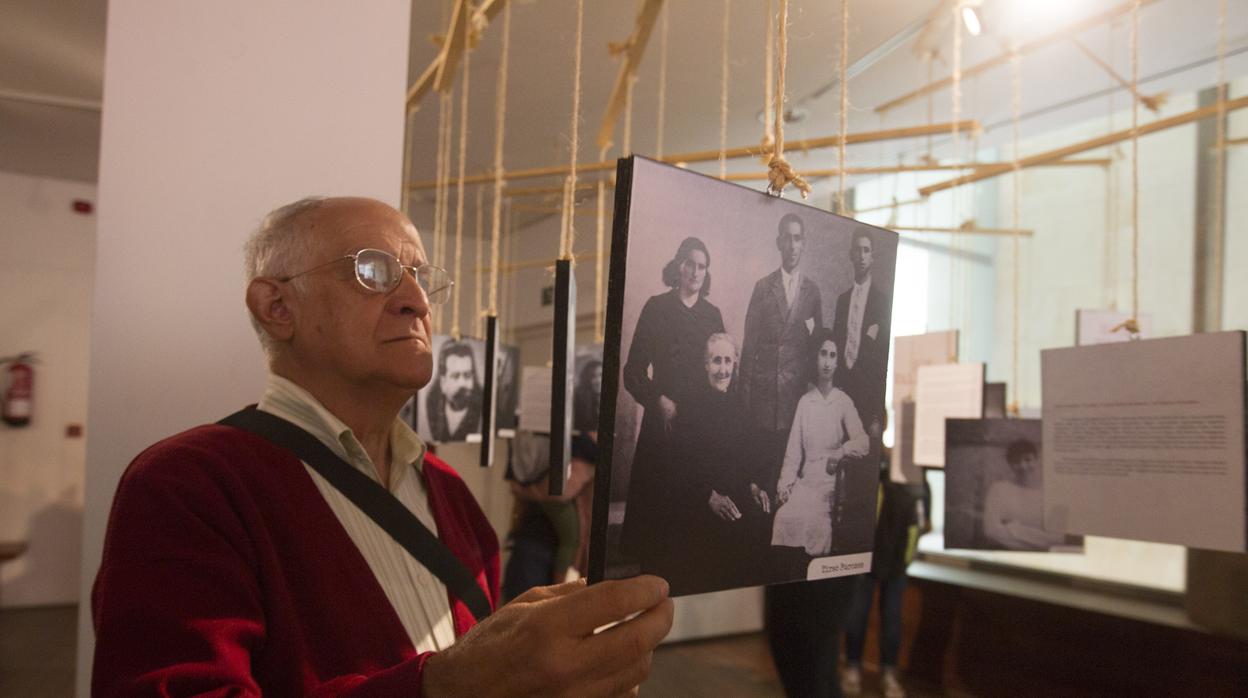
372,499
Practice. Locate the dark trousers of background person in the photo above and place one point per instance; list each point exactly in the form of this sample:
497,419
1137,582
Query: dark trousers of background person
804,622
890,619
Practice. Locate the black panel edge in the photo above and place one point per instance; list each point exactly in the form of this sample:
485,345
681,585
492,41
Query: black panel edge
610,370
489,396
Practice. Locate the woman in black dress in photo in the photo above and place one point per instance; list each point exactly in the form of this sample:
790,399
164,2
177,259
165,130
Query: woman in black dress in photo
664,368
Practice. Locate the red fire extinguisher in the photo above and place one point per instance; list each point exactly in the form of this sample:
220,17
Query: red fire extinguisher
19,391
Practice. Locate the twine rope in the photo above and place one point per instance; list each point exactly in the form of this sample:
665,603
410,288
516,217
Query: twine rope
1132,325
626,146
844,127
459,185
1219,167
500,113
723,97
780,173
769,78
658,131
478,277
569,217
1016,99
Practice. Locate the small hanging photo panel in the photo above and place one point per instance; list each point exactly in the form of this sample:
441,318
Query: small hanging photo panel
1145,440
489,393
943,392
994,493
743,385
1100,326
563,363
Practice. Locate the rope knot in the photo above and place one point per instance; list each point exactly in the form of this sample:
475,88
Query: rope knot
780,174
615,49
1131,325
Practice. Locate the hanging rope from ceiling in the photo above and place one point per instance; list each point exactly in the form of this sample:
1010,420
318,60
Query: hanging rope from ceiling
723,93
780,173
500,113
1132,325
459,186
1016,103
661,117
1219,166
844,127
567,238
478,277
769,81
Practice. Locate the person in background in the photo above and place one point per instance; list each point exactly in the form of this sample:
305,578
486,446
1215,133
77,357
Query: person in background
230,567
900,519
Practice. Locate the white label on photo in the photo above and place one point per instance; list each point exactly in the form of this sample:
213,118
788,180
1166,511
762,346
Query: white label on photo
839,566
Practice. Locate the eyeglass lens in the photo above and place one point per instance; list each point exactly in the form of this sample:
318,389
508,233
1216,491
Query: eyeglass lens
381,272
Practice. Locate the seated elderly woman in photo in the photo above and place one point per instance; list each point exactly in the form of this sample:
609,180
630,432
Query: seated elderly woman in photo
729,524
826,431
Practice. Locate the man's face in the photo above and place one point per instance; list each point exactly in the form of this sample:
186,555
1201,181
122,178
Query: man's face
860,253
457,383
720,360
350,336
825,363
790,243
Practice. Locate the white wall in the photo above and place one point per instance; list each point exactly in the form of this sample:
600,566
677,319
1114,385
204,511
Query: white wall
214,113
46,269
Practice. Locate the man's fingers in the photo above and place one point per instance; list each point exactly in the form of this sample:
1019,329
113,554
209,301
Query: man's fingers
618,648
608,602
549,592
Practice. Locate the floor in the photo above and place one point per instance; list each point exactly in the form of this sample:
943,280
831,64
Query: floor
37,648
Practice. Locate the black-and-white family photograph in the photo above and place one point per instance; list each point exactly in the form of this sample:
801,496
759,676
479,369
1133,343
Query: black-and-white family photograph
449,408
752,349
994,495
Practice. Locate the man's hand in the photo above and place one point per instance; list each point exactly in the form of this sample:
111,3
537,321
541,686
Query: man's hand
543,643
724,507
760,496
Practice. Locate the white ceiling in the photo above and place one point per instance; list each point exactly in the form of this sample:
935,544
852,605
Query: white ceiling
55,50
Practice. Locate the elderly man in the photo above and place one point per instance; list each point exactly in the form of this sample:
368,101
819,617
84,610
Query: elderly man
233,566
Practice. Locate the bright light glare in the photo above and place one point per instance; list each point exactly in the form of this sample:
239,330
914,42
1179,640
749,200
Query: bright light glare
971,19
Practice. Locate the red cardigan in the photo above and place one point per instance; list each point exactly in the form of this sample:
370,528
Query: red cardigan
224,572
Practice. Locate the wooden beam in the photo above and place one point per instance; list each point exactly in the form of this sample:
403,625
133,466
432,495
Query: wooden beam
964,230
636,44
1084,146
708,155
482,16
453,47
884,207
1004,58
508,267
934,167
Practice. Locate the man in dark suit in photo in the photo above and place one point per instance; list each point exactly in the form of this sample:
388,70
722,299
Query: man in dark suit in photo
861,326
784,308
454,400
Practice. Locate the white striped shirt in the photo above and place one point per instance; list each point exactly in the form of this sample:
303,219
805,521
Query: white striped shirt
418,597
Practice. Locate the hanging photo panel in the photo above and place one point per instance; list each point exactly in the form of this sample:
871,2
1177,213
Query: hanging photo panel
449,408
1103,326
563,363
909,353
949,391
743,385
489,393
994,488
1145,440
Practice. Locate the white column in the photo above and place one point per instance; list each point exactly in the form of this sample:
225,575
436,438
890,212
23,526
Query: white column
215,113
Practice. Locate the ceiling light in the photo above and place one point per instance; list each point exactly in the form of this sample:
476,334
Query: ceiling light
971,19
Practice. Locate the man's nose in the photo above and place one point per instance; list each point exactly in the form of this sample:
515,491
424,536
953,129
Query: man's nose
408,298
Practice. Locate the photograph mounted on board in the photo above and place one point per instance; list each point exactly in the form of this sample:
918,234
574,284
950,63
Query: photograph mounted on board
587,389
744,378
448,409
994,494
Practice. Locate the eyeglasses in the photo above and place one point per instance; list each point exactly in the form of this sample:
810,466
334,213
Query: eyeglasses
381,272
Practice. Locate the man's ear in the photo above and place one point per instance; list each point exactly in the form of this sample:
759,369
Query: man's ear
268,302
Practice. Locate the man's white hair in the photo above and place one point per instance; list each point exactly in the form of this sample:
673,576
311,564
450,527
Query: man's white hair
275,249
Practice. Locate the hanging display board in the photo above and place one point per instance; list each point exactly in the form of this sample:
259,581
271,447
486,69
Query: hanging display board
943,392
1101,326
563,364
489,394
994,493
909,353
1145,440
535,400
449,408
725,304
